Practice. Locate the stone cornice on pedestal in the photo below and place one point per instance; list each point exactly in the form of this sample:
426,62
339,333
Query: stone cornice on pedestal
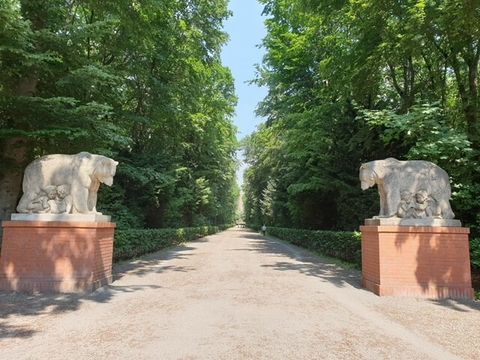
395,221
61,217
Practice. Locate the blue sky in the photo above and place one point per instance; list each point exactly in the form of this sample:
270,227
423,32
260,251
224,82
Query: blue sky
246,31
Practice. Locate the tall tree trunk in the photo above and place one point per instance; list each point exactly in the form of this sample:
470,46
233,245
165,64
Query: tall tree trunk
407,91
471,108
469,97
14,157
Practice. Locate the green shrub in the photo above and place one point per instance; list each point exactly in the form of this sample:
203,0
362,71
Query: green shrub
342,244
475,252
255,227
339,244
135,242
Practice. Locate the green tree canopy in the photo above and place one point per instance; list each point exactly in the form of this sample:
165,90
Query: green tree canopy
141,82
354,81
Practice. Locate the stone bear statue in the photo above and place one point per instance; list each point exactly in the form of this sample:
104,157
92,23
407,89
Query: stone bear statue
393,177
81,173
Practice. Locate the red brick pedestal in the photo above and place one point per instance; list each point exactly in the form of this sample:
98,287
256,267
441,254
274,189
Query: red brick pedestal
48,256
429,262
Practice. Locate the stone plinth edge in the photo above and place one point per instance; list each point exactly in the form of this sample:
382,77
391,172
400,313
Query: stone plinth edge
57,224
393,221
61,217
414,229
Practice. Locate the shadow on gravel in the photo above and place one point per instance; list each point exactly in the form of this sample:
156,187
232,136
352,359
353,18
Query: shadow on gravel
152,263
12,304
7,331
325,269
304,261
458,305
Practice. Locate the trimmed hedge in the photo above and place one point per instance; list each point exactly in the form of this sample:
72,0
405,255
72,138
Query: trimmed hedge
135,242
342,244
339,244
255,227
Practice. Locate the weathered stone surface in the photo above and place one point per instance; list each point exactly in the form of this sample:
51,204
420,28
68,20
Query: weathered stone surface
395,221
413,189
62,217
63,184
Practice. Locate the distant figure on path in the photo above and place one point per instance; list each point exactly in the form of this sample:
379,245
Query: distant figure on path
264,230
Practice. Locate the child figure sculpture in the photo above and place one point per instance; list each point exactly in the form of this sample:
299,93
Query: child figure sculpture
406,207
422,205
41,204
62,202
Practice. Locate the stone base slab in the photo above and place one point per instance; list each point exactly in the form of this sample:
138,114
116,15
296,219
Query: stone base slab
48,256
48,285
433,292
426,262
61,217
412,222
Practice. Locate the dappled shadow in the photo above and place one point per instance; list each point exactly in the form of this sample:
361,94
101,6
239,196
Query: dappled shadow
254,236
153,263
54,256
42,261
301,260
13,304
326,272
33,304
424,262
8,331
105,294
457,304
441,265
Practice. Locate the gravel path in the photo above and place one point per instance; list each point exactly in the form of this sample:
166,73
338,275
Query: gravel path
235,295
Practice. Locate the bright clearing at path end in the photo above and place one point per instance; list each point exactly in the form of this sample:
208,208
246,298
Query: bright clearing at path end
246,31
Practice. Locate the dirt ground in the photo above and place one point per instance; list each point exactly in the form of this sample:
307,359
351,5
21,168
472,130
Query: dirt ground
235,295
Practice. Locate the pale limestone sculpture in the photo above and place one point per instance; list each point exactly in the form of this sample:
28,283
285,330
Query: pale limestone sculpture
424,205
406,207
40,204
52,200
69,182
396,179
62,202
